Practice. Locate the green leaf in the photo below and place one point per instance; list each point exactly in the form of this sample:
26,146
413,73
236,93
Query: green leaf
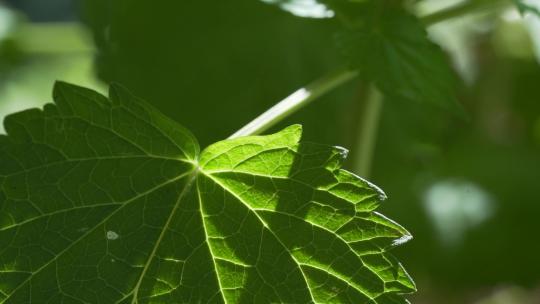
395,52
108,201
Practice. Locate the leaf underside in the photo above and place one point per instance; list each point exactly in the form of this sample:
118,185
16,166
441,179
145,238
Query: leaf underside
108,201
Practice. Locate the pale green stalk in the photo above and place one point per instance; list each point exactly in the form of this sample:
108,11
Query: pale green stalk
294,102
368,131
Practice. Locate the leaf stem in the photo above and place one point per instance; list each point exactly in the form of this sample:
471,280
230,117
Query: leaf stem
369,125
312,91
295,101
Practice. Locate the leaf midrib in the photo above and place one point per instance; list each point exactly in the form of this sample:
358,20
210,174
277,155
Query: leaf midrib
192,177
78,160
265,226
299,264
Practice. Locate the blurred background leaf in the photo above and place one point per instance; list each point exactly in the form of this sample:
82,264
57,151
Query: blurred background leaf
393,51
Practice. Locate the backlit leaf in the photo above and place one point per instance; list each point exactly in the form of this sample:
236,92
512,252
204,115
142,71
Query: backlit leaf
108,201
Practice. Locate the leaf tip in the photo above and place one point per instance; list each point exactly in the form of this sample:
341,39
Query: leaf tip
116,91
60,86
296,128
115,88
292,133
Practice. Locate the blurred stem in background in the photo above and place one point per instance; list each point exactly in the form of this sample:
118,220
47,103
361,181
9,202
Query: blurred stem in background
369,124
370,118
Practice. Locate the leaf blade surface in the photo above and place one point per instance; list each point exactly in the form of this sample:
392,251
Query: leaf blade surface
108,201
